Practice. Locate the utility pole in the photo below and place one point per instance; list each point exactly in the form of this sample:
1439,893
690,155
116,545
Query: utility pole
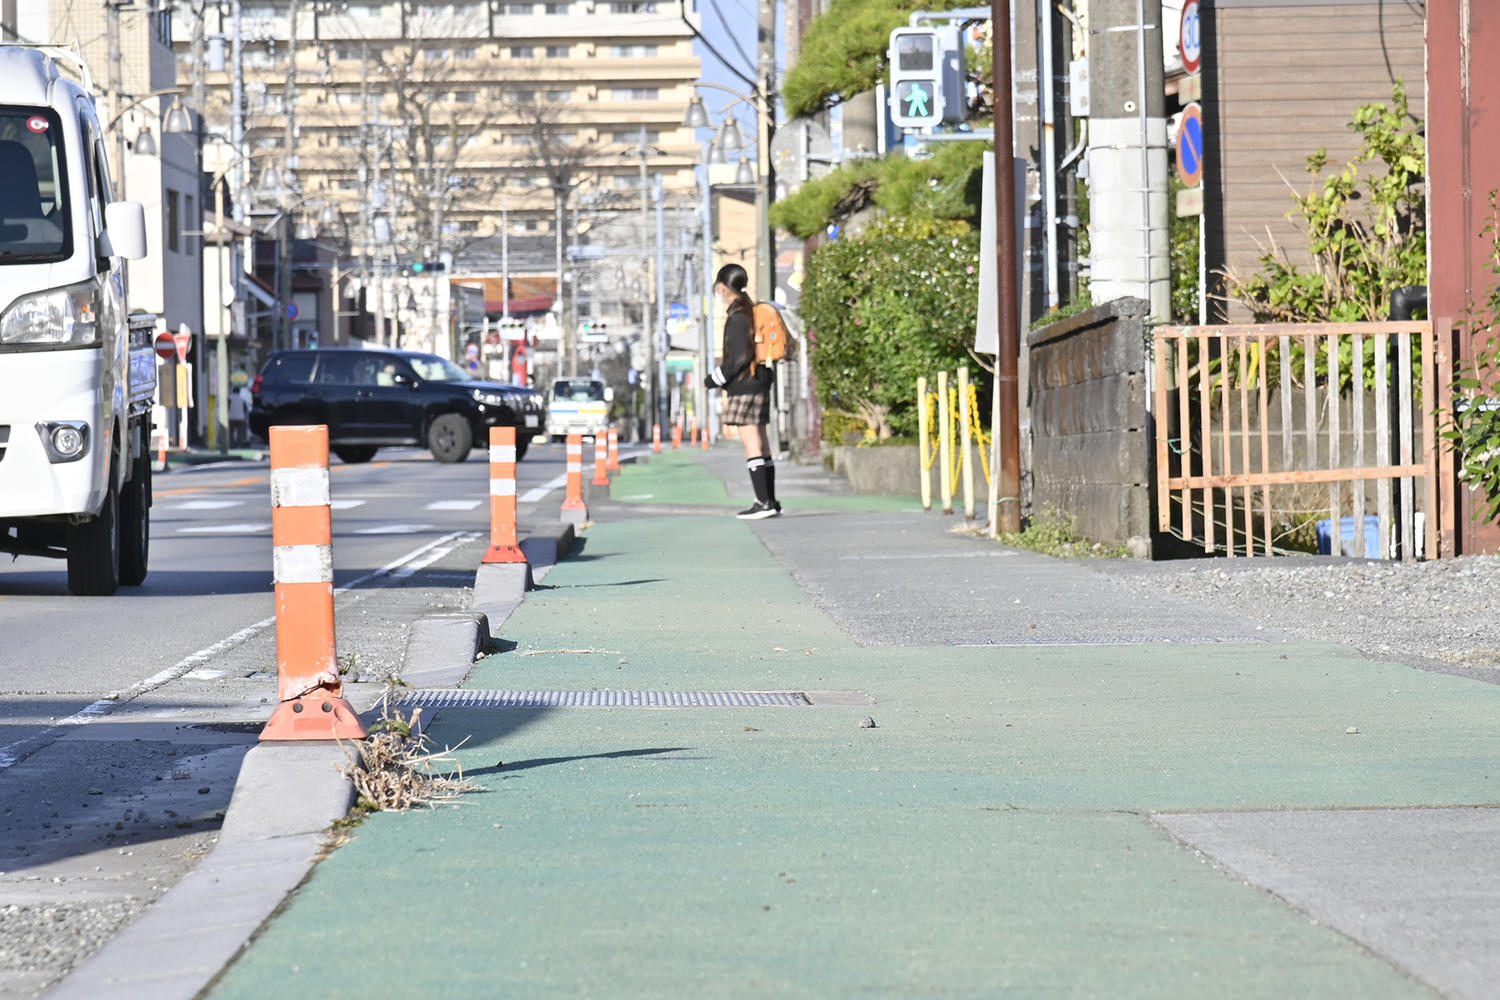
661,301
1128,154
648,328
1008,339
116,90
765,72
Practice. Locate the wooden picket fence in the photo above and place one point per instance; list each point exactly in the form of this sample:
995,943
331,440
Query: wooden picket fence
1221,462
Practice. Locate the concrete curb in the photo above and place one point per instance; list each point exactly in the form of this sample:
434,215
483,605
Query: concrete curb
285,797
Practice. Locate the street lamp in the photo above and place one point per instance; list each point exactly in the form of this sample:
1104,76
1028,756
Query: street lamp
732,140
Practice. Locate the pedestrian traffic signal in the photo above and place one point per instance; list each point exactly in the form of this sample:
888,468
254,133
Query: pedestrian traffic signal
916,77
927,77
426,267
593,330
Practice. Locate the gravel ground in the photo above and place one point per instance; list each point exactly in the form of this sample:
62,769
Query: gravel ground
1442,616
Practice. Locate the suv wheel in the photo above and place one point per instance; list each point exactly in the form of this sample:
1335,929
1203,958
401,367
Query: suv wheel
449,438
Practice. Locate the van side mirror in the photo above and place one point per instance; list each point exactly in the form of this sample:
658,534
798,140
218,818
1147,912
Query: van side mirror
609,394
124,230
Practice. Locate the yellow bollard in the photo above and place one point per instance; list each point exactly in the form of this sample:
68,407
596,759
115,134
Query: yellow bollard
945,444
923,437
964,434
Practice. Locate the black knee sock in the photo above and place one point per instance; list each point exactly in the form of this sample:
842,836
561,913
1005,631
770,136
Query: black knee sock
757,468
769,471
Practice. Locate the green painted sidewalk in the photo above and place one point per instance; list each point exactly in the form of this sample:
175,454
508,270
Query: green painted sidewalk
678,478
991,837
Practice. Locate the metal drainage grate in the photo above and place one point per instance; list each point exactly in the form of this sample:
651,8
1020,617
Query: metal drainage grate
434,698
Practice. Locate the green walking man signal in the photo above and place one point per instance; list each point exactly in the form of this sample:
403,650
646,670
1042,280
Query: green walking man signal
927,77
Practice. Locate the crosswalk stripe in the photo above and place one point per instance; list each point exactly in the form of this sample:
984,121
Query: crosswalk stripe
454,504
206,504
394,529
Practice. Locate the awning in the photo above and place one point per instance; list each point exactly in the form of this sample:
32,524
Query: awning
529,305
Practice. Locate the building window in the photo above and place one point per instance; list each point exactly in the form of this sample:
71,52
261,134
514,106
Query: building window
346,52
559,51
633,51
468,225
465,97
348,98
559,96
560,9
435,54
636,93
519,9
529,226
633,136
467,53
172,221
522,52
633,8
347,183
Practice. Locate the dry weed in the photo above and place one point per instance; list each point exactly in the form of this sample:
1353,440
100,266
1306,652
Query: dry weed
394,768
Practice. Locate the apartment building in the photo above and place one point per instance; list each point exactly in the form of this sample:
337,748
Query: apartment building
409,131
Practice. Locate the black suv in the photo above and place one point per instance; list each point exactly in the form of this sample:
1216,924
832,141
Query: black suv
370,398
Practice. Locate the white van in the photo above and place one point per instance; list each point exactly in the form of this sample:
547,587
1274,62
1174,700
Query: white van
75,392
578,406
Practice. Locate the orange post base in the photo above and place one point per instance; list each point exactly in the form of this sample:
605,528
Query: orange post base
503,554
314,717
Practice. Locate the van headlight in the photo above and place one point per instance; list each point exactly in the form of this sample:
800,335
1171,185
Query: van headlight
62,317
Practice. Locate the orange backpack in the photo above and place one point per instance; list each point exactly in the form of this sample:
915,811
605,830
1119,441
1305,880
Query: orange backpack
773,341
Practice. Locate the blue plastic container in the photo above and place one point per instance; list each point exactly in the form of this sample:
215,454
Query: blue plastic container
1346,530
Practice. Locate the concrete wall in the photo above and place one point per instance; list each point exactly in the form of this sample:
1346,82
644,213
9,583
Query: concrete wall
1091,450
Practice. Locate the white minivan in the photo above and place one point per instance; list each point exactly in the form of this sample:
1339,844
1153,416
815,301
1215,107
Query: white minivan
75,392
578,406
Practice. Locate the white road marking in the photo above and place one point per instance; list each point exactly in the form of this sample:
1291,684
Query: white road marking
394,529
13,753
533,496
250,528
346,504
454,504
206,504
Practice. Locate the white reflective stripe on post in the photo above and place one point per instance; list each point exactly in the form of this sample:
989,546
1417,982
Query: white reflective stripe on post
302,564
503,453
305,486
502,487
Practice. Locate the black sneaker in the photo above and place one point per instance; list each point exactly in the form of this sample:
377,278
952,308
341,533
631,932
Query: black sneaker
758,511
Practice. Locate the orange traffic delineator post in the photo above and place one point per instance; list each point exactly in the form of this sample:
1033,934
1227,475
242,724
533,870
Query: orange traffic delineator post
161,449
613,464
601,459
504,547
656,437
312,703
573,509
676,435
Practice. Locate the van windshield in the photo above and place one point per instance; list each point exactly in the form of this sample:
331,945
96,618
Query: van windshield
32,220
578,390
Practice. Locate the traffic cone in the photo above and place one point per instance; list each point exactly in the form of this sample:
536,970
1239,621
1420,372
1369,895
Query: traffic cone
656,438
312,703
614,451
504,548
573,509
601,459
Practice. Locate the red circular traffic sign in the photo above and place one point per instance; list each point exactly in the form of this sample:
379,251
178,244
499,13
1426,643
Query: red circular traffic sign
1190,38
166,345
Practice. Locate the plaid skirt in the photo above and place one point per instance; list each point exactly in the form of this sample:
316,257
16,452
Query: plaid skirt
746,409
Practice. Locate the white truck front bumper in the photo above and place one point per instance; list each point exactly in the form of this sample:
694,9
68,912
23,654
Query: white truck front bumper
48,387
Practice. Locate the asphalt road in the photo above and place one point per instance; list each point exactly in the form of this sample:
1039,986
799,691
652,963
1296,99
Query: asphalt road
123,720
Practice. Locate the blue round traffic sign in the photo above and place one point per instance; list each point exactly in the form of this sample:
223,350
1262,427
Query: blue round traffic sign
291,310
1190,146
